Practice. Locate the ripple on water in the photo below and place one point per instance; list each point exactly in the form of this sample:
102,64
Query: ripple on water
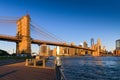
92,68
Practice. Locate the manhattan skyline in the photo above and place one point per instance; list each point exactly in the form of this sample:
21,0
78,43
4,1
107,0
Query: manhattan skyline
72,20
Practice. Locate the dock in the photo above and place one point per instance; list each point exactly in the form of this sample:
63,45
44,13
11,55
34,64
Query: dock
18,71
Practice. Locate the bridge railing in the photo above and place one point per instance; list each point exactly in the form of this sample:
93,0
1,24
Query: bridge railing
33,62
42,63
59,73
59,69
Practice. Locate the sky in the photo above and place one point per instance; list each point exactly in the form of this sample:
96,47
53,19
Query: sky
71,20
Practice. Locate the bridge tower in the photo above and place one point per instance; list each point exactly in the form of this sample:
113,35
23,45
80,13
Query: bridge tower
23,34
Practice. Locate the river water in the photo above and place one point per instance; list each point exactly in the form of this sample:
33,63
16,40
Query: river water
91,68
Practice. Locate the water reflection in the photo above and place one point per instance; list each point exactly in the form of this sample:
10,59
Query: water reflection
92,68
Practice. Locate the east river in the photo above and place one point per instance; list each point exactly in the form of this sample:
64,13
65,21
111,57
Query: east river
91,68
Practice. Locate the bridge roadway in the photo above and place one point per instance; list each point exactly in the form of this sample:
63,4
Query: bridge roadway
8,38
35,41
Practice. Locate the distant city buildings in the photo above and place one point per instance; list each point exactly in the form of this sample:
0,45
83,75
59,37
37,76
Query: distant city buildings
98,49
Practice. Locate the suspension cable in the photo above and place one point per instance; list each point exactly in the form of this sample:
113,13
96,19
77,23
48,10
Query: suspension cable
46,35
39,34
46,32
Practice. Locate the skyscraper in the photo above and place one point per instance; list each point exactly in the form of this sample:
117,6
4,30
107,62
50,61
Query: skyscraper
118,44
44,50
117,50
92,42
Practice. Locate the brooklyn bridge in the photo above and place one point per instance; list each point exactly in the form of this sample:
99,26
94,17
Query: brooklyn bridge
24,40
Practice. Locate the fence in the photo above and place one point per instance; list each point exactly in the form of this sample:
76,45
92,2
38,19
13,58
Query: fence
42,63
59,69
34,62
59,73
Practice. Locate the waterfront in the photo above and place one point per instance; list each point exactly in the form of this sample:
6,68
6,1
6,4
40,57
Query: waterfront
91,68
13,70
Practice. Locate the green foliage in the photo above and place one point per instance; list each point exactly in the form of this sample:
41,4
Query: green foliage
4,53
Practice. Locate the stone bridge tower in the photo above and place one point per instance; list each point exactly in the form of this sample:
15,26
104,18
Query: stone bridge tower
23,34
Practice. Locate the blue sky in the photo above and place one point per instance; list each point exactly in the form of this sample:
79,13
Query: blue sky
72,20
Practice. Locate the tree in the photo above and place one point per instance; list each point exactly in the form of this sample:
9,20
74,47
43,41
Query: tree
3,53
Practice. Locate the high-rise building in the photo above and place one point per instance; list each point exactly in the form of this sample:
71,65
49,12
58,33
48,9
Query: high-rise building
85,45
71,51
118,44
92,42
60,50
97,48
117,50
54,52
44,50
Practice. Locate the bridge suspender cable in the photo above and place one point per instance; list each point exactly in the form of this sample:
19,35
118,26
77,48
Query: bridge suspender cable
7,21
38,33
4,19
9,17
45,33
53,35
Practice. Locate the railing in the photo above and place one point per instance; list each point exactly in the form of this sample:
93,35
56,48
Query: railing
33,62
40,63
59,70
59,73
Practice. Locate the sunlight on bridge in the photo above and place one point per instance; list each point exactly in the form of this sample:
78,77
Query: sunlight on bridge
9,29
28,32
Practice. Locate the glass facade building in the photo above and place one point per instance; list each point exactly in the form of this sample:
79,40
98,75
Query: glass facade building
118,44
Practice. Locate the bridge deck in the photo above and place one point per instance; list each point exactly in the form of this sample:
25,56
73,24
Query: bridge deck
35,41
18,71
8,38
